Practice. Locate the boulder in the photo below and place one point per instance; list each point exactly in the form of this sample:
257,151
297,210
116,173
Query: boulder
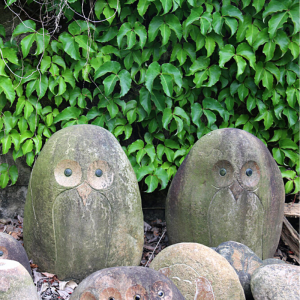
15,282
276,282
199,272
128,283
228,188
11,249
83,209
243,260
272,261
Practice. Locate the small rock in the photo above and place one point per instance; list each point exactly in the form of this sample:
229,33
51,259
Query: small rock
243,260
11,249
276,282
15,282
199,272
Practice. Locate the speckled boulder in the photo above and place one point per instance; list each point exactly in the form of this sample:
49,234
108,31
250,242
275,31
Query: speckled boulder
276,282
243,260
199,272
228,188
127,283
83,209
15,282
11,249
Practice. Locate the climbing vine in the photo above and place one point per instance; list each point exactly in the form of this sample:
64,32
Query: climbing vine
158,74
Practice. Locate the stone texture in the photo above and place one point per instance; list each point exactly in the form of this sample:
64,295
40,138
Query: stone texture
272,261
243,260
127,283
76,225
199,272
13,250
12,198
205,207
15,282
276,282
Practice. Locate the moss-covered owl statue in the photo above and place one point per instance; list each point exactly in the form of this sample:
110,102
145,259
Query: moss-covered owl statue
83,208
228,188
127,283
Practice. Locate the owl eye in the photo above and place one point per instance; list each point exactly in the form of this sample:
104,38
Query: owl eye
98,173
137,297
160,294
249,172
1,253
68,172
111,298
223,172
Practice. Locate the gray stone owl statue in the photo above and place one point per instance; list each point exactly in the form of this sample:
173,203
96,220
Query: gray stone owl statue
83,208
228,188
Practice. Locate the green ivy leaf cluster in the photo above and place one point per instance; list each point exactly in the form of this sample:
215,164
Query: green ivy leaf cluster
158,74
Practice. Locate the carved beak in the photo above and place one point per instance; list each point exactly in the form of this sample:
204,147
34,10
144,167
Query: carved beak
84,190
236,189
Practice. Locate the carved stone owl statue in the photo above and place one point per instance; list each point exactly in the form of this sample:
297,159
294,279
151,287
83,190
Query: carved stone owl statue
83,208
127,283
228,188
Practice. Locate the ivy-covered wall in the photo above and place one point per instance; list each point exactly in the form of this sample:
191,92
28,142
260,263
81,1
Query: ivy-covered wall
158,74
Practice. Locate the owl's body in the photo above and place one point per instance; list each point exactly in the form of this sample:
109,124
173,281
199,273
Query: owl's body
81,195
127,283
228,188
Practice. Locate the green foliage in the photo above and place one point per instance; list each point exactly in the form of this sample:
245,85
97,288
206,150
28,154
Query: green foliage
158,74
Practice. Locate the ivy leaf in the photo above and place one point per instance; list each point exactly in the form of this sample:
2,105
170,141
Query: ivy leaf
125,82
211,117
196,113
232,24
140,30
214,75
178,111
110,83
213,104
6,144
226,54
151,181
174,24
4,178
113,109
272,7
276,22
258,4
24,27
291,115
26,44
109,66
109,14
159,100
154,25
295,16
200,64
152,72
181,55
135,146
282,40
194,15
69,45
288,144
67,114
13,174
210,45
172,70
232,11
165,33
217,22
145,99
167,5
167,117
143,6
42,86
273,69
245,50
27,146
268,120
167,84
269,50
200,77
251,34
7,87
294,49
261,38
241,64
267,80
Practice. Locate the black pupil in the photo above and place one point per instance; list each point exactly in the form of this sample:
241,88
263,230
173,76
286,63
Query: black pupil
160,293
137,297
68,172
249,172
111,298
1,253
98,173
222,172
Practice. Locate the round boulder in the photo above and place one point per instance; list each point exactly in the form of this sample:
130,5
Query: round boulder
199,272
228,188
127,283
243,260
11,249
15,282
83,209
276,282
273,261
